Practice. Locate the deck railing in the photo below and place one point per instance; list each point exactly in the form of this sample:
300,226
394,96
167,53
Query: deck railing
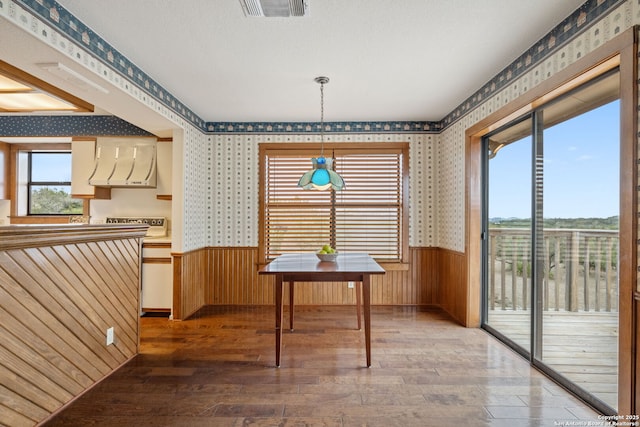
579,269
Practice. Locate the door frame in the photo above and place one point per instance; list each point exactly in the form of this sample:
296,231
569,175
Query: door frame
619,52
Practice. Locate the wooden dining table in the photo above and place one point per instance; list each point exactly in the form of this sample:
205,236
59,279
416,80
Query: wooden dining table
306,267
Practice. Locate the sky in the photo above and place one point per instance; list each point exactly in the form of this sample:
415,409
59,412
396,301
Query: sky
52,167
581,170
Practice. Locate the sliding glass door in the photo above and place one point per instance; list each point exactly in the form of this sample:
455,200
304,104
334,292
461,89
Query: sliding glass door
551,238
580,198
508,290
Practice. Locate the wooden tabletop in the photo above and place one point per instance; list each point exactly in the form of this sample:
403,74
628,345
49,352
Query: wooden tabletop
309,263
303,267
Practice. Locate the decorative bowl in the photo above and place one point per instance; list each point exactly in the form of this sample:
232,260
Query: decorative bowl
327,257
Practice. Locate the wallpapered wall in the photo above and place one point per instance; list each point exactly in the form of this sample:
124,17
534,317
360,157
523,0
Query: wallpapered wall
217,204
450,152
196,194
233,212
189,205
437,181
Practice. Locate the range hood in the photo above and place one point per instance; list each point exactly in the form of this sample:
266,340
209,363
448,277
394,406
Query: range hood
124,162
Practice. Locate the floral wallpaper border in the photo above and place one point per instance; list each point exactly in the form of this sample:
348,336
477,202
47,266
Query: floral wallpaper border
65,22
329,127
13,125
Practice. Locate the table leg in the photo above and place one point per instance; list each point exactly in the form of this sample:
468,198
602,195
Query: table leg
366,295
278,294
359,303
291,286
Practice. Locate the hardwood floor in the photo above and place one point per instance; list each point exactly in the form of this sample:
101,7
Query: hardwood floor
217,369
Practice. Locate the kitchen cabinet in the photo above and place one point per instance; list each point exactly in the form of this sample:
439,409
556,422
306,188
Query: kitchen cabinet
82,164
157,276
164,170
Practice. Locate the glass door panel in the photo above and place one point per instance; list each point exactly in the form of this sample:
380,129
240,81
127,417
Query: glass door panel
508,259
551,238
579,247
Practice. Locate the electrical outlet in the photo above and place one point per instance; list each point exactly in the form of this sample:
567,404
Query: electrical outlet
350,285
110,336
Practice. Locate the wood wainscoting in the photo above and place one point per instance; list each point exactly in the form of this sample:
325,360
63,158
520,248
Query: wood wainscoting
453,286
190,279
228,276
61,288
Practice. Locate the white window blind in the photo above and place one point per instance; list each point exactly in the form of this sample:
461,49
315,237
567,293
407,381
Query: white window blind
366,216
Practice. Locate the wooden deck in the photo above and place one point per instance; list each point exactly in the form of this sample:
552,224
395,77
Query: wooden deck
582,346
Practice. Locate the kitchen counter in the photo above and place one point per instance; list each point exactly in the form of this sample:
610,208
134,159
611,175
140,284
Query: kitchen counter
32,235
160,239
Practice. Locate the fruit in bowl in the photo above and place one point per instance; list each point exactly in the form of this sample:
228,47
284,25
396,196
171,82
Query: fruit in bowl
327,253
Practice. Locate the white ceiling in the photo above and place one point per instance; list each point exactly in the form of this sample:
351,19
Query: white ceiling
387,59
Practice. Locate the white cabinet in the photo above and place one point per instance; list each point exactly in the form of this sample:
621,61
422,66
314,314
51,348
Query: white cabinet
164,170
157,277
82,163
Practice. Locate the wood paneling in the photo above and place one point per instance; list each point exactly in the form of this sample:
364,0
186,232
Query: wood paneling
233,277
60,289
228,276
452,284
190,279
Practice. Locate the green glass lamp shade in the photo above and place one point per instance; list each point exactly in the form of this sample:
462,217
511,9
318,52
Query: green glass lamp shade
321,177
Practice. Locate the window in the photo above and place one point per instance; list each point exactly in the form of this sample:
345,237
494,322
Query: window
49,184
369,215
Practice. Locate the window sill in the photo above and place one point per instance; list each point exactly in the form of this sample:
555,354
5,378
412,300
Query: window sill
35,219
394,266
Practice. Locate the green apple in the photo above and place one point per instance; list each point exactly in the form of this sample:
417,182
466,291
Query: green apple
323,252
326,248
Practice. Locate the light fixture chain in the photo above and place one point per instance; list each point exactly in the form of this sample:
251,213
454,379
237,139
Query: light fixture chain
323,175
322,118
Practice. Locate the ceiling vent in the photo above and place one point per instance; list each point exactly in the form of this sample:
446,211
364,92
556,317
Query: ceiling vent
274,8
72,77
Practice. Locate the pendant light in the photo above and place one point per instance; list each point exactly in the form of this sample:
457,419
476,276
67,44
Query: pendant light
321,176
